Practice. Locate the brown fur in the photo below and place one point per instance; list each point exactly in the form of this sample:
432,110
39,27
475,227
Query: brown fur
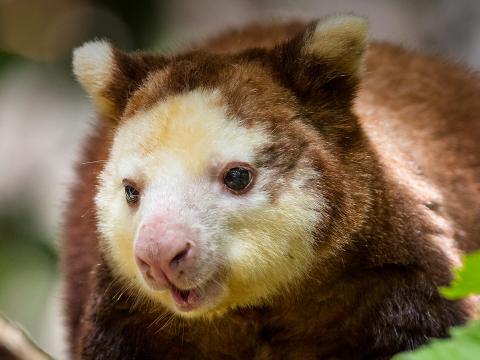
374,289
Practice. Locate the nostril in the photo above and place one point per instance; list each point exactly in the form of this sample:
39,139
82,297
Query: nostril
145,268
152,273
148,275
143,265
180,256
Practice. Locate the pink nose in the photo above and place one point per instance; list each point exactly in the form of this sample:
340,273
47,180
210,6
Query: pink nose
165,253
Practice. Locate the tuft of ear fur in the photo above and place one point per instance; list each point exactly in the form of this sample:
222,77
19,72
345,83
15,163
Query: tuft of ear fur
110,75
94,66
340,40
325,60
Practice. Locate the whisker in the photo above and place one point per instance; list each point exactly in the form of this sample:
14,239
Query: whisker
86,212
93,162
167,323
183,331
159,319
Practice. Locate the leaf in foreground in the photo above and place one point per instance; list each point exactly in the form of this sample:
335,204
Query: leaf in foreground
463,345
467,278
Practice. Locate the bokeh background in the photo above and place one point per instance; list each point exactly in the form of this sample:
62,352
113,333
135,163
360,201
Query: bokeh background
44,114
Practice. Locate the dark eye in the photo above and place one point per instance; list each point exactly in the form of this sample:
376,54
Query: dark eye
238,179
131,194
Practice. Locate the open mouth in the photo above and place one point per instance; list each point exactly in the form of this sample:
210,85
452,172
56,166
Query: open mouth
186,299
204,295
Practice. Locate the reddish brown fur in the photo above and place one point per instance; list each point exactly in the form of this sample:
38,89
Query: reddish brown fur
377,294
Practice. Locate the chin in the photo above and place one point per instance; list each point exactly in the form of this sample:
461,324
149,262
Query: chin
205,300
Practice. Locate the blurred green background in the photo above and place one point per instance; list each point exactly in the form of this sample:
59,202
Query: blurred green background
44,114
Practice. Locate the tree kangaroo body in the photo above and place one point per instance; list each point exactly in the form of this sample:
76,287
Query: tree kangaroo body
280,191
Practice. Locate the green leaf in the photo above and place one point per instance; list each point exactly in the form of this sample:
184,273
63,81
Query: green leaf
463,345
467,279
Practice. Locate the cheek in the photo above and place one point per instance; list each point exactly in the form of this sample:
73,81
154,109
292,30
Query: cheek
122,249
117,224
270,248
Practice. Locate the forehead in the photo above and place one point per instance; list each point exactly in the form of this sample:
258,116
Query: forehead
249,87
193,128
216,111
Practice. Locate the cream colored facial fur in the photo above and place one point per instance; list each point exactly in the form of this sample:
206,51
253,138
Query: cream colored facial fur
253,247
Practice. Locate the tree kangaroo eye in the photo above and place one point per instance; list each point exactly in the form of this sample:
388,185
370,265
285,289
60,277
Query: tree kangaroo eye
238,179
132,195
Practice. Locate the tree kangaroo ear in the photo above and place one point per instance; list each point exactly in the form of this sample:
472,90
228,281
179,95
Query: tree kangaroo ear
110,75
329,51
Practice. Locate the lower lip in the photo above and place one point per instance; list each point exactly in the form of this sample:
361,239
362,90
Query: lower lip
186,302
